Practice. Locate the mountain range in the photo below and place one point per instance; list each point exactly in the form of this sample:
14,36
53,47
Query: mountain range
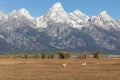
58,30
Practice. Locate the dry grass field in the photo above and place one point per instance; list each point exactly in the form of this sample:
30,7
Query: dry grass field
52,69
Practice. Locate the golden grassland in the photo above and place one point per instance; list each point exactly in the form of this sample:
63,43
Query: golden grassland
52,69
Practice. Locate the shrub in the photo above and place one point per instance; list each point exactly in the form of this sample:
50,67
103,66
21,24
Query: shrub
24,56
34,56
85,55
44,55
96,54
51,56
63,55
21,55
18,56
79,55
5,56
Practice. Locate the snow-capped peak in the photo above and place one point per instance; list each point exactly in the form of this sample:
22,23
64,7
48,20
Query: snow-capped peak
104,15
79,14
103,20
56,13
25,13
2,15
20,13
78,19
57,7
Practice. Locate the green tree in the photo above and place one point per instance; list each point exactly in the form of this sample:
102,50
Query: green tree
63,55
44,55
96,54
85,55
51,56
25,56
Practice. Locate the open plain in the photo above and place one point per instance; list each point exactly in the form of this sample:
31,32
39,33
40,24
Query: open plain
52,69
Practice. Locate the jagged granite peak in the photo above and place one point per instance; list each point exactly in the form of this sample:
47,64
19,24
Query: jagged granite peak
3,18
56,10
58,29
20,13
79,15
57,7
78,19
2,15
25,13
104,21
78,12
57,13
104,15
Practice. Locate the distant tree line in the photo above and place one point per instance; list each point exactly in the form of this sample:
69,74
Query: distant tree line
45,55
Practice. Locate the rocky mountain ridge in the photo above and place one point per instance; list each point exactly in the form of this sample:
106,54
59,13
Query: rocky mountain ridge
58,30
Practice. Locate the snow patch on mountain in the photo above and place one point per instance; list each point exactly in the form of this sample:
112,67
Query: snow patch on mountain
3,16
78,19
25,13
56,14
105,21
58,29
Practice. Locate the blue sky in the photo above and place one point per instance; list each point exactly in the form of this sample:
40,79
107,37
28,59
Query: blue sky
40,7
